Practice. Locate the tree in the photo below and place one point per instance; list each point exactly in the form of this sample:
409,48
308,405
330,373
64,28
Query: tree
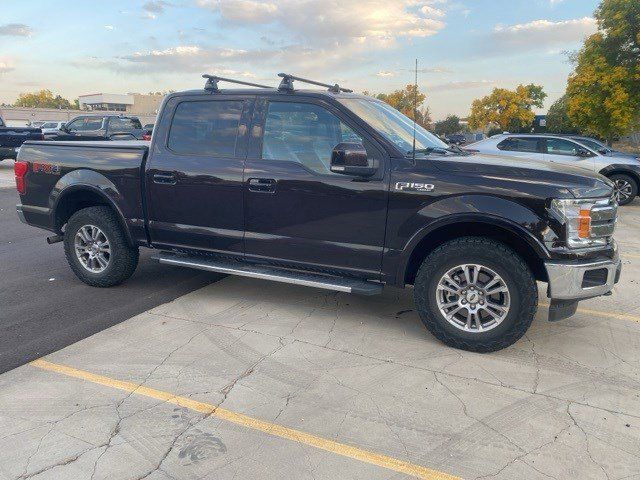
448,126
405,100
603,92
512,110
558,120
43,99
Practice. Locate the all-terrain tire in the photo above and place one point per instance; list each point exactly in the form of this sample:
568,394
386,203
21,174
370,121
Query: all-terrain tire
499,258
123,257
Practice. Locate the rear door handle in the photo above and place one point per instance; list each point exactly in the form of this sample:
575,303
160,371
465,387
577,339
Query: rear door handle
264,185
164,178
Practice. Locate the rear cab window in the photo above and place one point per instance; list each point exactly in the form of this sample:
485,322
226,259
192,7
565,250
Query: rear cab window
206,127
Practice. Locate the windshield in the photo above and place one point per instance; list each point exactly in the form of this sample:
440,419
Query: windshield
392,124
597,146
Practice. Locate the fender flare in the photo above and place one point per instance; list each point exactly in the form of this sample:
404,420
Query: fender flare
83,180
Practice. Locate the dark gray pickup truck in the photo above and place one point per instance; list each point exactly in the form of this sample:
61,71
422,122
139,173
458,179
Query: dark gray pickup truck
329,189
11,138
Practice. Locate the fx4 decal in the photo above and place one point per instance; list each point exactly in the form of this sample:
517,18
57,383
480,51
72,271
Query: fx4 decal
415,187
46,168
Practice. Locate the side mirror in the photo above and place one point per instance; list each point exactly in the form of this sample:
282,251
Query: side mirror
352,159
583,152
603,151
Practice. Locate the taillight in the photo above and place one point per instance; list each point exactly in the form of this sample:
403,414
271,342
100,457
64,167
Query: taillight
146,136
20,170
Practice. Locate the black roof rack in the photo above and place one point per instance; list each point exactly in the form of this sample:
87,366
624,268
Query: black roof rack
212,83
287,84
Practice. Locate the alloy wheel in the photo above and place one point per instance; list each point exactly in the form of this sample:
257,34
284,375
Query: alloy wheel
473,298
623,190
92,248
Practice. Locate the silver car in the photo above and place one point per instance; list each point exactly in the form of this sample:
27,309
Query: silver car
622,169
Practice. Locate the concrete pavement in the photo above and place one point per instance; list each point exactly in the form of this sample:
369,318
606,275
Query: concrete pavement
250,379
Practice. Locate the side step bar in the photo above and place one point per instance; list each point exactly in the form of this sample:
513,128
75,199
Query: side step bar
263,272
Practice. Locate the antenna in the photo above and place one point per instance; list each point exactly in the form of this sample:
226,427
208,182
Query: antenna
415,111
212,83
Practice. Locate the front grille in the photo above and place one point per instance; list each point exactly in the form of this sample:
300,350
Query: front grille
603,218
595,277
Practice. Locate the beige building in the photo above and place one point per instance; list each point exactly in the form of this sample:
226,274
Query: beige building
132,103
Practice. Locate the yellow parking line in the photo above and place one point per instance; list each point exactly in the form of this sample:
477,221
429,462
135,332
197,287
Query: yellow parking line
599,313
348,451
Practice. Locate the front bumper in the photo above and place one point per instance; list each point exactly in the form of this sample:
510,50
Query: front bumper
576,280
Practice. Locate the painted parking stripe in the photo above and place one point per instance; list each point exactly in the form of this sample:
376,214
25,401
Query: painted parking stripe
600,313
276,430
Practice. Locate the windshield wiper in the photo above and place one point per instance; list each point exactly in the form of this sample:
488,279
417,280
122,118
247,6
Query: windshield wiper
428,150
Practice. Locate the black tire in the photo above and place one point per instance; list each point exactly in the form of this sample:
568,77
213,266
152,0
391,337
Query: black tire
507,264
123,258
620,177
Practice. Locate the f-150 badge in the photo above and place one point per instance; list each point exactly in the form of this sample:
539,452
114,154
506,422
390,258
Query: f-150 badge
415,187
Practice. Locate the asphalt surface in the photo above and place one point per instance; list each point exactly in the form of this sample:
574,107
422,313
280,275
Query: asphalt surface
44,307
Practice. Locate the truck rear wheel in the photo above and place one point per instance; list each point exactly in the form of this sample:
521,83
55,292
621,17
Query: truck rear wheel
97,249
475,294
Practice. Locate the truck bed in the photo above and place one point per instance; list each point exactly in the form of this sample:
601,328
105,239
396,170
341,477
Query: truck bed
111,169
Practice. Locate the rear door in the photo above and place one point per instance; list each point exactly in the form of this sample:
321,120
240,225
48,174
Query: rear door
565,152
529,148
297,211
194,173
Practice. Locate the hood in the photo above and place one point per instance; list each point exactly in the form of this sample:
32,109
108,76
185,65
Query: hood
623,155
581,183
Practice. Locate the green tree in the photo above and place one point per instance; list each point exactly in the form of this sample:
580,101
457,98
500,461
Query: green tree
43,99
558,120
512,110
603,92
448,126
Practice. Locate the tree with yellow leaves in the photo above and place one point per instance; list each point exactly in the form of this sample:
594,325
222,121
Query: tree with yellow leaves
43,99
603,92
512,110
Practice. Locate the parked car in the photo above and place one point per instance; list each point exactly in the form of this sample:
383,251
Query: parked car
11,138
35,124
456,139
148,126
623,171
51,127
107,127
326,190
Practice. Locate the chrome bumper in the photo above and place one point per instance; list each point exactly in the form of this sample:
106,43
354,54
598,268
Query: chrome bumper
575,281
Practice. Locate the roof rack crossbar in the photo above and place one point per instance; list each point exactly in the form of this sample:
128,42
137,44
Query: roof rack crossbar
287,84
212,83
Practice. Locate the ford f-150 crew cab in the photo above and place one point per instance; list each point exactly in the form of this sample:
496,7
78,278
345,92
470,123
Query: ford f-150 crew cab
328,189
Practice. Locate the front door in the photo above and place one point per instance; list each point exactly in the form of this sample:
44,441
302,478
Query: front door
297,212
194,174
565,152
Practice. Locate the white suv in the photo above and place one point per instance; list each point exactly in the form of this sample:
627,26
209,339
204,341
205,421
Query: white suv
622,170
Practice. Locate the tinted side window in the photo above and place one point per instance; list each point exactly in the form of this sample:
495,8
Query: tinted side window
85,124
558,146
519,144
303,133
206,128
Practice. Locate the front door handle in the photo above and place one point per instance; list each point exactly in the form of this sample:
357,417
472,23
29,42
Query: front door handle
164,178
263,185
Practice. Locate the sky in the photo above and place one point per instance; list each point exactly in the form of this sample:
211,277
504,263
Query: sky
464,48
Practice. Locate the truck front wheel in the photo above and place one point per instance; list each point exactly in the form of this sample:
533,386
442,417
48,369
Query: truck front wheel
475,294
97,249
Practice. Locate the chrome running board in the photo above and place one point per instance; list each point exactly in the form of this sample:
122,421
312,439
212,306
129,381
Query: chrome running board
264,272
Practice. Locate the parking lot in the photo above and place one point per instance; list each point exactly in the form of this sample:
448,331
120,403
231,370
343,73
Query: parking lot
249,379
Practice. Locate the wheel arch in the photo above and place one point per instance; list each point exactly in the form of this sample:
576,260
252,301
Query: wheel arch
621,170
501,230
77,196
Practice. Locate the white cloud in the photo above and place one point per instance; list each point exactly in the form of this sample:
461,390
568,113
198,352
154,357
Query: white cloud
543,33
109,27
385,73
15,30
155,6
5,66
336,20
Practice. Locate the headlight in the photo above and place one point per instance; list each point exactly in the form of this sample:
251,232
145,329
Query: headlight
588,222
